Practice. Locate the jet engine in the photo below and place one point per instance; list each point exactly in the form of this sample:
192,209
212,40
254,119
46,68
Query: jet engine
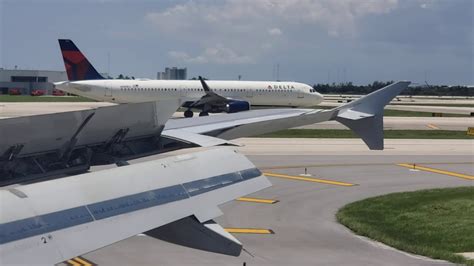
237,106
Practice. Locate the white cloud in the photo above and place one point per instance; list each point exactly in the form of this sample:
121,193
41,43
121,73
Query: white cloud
425,4
332,15
274,31
218,54
241,27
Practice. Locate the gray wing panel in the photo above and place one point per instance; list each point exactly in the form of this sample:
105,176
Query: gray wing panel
54,131
364,116
250,123
63,218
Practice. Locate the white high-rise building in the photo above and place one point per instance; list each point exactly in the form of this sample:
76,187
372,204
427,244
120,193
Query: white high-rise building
173,73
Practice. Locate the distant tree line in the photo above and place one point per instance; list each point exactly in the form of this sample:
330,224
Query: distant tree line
121,76
432,90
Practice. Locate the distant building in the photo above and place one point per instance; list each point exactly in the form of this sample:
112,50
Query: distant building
26,81
173,73
161,75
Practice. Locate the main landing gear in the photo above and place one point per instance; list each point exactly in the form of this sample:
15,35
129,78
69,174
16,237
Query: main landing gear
188,113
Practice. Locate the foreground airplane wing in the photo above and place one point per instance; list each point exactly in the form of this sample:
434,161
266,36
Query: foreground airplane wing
173,199
364,116
53,221
71,142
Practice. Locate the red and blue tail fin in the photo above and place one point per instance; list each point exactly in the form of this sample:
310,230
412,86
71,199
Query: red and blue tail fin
77,65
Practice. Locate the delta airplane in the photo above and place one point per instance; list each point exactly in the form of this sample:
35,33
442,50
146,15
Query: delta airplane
207,96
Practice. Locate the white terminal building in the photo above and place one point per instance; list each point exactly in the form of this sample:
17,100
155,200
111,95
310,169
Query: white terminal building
26,81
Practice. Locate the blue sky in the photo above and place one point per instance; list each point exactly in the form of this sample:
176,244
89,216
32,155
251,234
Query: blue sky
311,41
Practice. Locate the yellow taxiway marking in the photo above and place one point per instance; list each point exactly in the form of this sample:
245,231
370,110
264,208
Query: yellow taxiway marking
432,126
249,231
266,201
73,263
438,171
83,261
79,261
470,131
280,167
311,179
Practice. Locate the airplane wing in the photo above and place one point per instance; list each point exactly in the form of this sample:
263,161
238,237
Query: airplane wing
209,97
53,221
364,116
173,199
71,142
212,101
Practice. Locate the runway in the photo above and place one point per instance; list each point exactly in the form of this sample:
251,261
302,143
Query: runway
410,123
464,107
293,222
303,219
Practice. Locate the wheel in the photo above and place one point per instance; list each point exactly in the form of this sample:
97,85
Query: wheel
188,113
203,114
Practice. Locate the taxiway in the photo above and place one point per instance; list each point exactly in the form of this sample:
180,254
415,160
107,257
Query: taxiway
303,220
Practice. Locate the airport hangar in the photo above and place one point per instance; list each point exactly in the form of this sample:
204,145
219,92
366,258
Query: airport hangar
28,80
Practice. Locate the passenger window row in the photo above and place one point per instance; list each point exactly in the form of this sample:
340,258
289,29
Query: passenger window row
191,89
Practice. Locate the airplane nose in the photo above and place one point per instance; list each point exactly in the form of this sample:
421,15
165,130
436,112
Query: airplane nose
321,97
318,98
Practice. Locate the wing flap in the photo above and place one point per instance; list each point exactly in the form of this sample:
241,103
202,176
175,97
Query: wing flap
197,139
353,115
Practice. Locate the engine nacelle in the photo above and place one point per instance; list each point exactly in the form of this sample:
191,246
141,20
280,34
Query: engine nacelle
237,106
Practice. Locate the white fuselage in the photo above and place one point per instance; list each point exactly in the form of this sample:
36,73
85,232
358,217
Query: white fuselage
257,93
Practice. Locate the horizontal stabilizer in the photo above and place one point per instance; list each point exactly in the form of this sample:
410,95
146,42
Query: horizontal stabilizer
191,233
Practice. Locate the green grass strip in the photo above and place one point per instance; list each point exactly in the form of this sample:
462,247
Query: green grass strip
436,223
388,134
436,104
390,112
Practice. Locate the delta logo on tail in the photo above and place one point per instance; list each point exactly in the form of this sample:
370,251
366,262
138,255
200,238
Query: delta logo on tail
77,65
